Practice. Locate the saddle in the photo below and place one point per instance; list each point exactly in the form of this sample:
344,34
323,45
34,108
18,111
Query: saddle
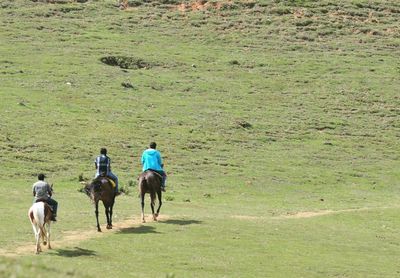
103,175
156,173
46,205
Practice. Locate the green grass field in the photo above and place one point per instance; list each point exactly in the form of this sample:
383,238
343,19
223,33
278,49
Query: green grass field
278,122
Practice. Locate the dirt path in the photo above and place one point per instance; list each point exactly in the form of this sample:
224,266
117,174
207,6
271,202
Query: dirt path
72,238
308,214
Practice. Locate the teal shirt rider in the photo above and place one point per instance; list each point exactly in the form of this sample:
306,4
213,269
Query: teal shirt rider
151,159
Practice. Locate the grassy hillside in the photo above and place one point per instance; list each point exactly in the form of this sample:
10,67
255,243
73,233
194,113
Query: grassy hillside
260,109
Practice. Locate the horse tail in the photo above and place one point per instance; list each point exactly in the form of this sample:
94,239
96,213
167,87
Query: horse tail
142,184
31,215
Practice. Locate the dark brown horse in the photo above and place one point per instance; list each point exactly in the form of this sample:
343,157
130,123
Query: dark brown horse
150,182
102,188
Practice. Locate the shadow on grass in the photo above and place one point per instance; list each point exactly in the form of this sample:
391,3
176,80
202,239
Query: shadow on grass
138,230
181,222
76,252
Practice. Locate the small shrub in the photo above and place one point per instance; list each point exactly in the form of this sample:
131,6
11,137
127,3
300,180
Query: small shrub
280,11
304,22
170,2
127,85
234,62
243,124
249,5
169,198
132,183
126,62
125,190
135,3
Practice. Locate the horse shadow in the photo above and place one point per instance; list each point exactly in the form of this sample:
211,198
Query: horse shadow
76,252
138,230
181,222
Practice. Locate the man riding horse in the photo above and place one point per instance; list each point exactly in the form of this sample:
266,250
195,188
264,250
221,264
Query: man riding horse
151,160
42,192
103,167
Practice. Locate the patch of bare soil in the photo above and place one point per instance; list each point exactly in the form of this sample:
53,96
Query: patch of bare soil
247,217
307,214
71,238
202,5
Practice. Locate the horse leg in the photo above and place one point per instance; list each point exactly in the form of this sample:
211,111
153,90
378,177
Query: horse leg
142,204
159,202
97,215
48,235
108,215
111,213
38,248
43,234
36,231
153,198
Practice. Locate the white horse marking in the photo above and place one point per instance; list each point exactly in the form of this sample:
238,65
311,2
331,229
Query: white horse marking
40,215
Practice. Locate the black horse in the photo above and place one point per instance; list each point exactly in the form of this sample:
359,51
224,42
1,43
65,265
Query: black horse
150,182
102,188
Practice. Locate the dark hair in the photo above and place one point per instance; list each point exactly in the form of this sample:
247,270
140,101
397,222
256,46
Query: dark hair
103,151
41,177
153,145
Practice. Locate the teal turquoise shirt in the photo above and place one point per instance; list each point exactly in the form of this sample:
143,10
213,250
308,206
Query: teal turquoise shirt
151,159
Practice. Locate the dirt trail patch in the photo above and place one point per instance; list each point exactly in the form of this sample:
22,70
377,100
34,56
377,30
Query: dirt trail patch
72,238
308,214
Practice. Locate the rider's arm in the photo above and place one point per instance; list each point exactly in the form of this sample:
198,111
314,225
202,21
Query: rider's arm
160,160
49,190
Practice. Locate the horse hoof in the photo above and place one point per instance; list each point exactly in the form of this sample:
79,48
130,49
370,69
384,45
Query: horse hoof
109,227
44,242
99,230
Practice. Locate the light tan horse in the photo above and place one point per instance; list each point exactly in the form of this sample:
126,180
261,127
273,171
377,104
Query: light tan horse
40,216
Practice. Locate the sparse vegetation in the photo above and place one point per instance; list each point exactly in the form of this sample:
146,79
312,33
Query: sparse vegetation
263,110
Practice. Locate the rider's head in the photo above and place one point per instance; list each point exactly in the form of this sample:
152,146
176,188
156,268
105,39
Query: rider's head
41,177
103,151
153,145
